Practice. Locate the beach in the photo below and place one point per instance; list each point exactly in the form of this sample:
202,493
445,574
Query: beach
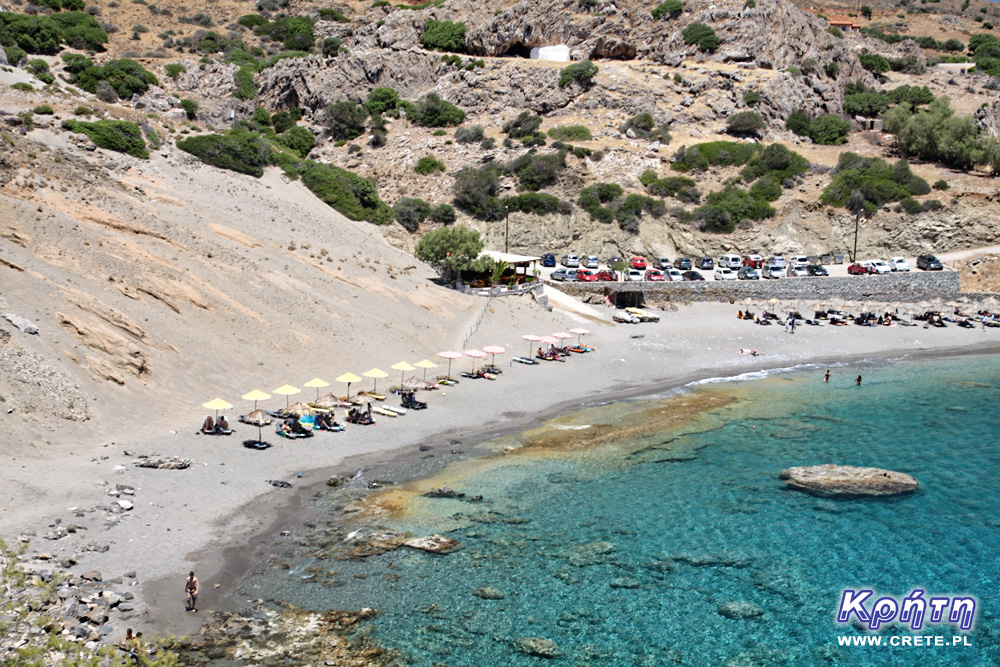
209,516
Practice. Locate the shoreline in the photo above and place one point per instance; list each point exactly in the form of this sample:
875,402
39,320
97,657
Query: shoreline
232,563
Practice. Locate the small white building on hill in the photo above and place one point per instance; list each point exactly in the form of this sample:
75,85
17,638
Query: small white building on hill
558,53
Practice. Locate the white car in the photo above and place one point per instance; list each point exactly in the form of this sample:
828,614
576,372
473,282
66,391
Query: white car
634,274
673,275
772,272
899,264
590,262
799,271
724,273
777,260
798,260
876,266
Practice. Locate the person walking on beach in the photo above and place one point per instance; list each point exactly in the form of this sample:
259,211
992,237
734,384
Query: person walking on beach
191,587
826,378
857,381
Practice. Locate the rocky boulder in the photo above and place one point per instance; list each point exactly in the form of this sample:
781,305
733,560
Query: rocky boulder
987,118
740,610
438,544
537,646
837,480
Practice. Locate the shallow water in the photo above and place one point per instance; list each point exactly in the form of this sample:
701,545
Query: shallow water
622,553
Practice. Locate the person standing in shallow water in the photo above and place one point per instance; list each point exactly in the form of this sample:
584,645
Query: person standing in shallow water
857,381
826,378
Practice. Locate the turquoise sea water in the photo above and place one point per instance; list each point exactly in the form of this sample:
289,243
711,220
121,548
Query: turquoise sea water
622,556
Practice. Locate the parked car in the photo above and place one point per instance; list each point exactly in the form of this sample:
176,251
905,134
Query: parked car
731,261
590,261
817,270
634,275
613,260
607,275
798,271
724,273
773,272
664,263
673,275
683,264
692,275
748,273
570,261
899,264
857,269
705,263
929,263
876,266
798,260
567,275
585,276
777,260
638,263
754,261
548,259
654,275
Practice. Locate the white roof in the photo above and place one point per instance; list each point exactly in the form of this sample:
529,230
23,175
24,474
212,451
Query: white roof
510,258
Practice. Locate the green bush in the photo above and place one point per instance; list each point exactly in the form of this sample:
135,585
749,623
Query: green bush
571,133
431,111
410,212
525,125
443,213
745,123
830,130
644,126
14,54
835,31
332,15
752,98
702,35
592,198
428,165
777,162
252,21
725,209
22,86
867,104
190,108
116,135
469,135
679,187
877,181
282,121
331,46
874,63
474,188
244,152
174,70
43,110
765,188
581,73
670,9
832,70
798,122
381,100
913,95
246,86
443,36
345,120
911,205
83,111
714,153
941,185
298,139
125,76
536,203
936,134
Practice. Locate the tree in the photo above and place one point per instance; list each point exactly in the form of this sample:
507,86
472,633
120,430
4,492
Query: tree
856,205
873,62
449,250
866,12
670,9
432,111
581,73
410,212
190,108
798,122
745,123
829,130
345,119
381,100
444,36
702,35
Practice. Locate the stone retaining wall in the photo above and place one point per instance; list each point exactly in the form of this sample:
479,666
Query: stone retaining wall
904,287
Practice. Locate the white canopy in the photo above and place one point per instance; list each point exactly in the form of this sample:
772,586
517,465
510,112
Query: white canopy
508,257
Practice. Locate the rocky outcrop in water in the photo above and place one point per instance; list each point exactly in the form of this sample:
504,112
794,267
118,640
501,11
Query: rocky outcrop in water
837,480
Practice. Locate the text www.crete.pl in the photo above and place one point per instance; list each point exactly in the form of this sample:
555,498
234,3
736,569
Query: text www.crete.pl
918,641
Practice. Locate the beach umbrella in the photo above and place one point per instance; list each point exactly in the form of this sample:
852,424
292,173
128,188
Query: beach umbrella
494,350
375,374
286,391
425,364
562,335
217,404
256,395
531,339
450,355
548,340
259,419
348,378
402,367
475,354
317,383
580,333
298,409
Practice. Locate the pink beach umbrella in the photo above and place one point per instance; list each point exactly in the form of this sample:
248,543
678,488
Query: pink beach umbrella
580,333
475,354
562,335
548,340
531,339
450,355
494,350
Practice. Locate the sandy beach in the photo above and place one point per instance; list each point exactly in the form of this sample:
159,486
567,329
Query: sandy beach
205,517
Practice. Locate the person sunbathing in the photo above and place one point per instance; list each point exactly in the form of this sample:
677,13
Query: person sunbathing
209,425
222,426
285,428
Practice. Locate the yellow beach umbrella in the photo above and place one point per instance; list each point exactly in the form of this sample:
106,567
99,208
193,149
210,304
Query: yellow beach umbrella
256,395
375,374
402,367
425,364
286,391
348,378
217,404
317,383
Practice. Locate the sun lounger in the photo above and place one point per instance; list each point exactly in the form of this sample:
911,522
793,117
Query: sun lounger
382,411
525,360
399,411
625,318
445,380
368,394
293,435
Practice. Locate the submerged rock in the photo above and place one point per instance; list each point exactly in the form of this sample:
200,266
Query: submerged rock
837,480
488,593
625,582
438,544
740,610
537,646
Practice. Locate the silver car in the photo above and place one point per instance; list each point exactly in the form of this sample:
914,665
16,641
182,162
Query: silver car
565,275
570,261
590,261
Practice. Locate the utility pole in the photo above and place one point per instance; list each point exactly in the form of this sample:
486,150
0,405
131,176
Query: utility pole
506,230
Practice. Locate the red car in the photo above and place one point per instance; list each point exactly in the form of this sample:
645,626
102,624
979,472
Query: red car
606,275
857,270
756,261
638,263
654,275
585,276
